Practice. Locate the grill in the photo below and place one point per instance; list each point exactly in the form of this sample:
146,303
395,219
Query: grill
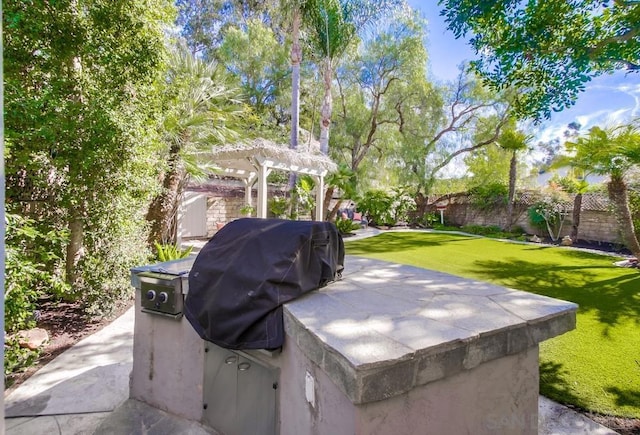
231,295
244,274
162,293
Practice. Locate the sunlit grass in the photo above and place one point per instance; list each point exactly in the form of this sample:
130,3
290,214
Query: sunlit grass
595,367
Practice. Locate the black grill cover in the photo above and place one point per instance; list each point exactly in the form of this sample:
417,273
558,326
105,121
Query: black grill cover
248,269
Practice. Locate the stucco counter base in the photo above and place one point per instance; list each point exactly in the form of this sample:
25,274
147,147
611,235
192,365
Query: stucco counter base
399,349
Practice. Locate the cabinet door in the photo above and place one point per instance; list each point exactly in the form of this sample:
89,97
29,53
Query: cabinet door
220,389
257,398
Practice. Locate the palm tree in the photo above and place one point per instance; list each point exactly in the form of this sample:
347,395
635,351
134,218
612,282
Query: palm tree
200,111
514,141
333,26
613,152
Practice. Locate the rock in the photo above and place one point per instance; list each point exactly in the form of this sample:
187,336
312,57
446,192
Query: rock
630,262
535,239
566,241
33,338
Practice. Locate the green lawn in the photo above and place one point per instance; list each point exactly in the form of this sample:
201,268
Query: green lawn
595,367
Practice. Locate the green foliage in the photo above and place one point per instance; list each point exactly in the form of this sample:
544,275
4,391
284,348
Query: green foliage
550,213
119,243
482,230
80,114
488,197
31,259
171,252
428,220
303,193
346,226
383,208
488,165
612,152
201,111
548,51
278,206
535,218
571,184
376,205
247,210
260,64
402,205
203,24
17,357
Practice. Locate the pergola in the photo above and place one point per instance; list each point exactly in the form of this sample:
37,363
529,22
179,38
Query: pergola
253,162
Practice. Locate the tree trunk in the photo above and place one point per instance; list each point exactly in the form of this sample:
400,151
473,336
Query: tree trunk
577,210
75,250
163,208
327,108
328,194
618,195
296,58
512,190
421,206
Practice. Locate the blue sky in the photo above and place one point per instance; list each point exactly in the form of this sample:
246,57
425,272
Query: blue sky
608,99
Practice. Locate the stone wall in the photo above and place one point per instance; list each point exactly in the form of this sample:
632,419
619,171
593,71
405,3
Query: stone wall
597,221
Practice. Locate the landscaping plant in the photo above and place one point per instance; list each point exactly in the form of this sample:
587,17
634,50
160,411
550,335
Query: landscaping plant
346,225
170,252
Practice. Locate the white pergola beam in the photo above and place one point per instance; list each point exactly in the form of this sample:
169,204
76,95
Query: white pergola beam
254,162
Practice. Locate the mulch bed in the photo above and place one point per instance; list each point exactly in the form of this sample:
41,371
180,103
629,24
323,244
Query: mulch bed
66,324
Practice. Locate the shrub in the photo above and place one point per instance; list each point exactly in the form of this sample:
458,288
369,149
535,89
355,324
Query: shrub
171,252
549,214
345,226
278,207
27,276
376,204
483,230
387,209
28,251
115,247
487,197
428,220
402,204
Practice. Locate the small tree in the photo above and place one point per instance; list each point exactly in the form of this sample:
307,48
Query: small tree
200,110
613,152
513,141
553,209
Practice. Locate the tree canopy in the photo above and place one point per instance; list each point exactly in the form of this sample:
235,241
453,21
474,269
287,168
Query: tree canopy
80,109
547,50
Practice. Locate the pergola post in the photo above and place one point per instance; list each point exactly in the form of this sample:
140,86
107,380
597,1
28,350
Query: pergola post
320,198
263,172
248,188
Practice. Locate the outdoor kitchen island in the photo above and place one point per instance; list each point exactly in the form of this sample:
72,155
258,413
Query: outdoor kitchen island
387,349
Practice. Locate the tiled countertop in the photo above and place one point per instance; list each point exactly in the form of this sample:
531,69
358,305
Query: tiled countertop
386,328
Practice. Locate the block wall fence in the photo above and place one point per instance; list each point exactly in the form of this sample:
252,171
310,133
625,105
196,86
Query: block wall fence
597,220
225,199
